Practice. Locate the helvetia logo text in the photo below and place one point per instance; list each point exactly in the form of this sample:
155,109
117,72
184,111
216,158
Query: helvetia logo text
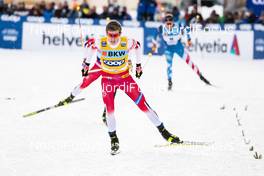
216,46
61,40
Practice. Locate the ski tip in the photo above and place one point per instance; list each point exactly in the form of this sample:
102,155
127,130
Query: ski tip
29,114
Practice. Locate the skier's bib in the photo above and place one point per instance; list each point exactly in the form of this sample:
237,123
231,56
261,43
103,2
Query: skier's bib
114,60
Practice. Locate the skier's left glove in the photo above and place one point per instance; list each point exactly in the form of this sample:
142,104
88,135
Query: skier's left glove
189,43
139,71
154,48
85,69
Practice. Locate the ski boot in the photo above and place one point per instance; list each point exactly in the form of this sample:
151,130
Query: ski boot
66,101
167,135
114,143
169,84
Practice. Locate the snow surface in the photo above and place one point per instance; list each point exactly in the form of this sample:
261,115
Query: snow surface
73,141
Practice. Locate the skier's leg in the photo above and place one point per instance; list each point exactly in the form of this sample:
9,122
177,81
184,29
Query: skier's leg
86,82
88,79
104,112
108,98
133,91
108,89
169,59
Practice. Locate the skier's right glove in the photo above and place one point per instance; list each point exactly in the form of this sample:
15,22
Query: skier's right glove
85,69
139,71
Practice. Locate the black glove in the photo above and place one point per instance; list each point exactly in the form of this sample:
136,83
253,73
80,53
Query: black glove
139,71
85,69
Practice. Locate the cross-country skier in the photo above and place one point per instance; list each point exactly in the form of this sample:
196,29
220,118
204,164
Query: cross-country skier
171,33
113,50
94,73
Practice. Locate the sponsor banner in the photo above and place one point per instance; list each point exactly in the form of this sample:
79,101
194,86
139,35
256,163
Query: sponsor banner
223,45
10,32
258,45
148,38
256,6
46,36
213,44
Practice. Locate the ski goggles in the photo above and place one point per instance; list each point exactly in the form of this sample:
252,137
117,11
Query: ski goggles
113,35
168,19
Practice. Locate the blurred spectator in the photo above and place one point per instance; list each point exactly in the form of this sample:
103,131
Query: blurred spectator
261,18
21,9
35,10
151,9
146,10
58,10
65,10
195,17
228,17
208,3
105,13
48,12
92,13
251,17
113,9
125,15
1,6
114,13
42,6
175,13
112,4
241,16
85,9
9,9
236,18
73,13
214,17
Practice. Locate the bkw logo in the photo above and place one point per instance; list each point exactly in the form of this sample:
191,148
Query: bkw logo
115,54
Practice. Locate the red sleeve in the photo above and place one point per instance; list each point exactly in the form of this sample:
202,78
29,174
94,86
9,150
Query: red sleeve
90,43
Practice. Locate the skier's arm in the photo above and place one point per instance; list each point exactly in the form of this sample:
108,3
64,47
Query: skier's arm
90,49
135,45
185,30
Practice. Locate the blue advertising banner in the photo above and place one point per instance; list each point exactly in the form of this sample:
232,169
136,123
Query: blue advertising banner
259,45
148,36
10,32
256,6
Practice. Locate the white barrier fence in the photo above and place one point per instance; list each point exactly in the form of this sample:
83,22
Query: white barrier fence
47,36
213,44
